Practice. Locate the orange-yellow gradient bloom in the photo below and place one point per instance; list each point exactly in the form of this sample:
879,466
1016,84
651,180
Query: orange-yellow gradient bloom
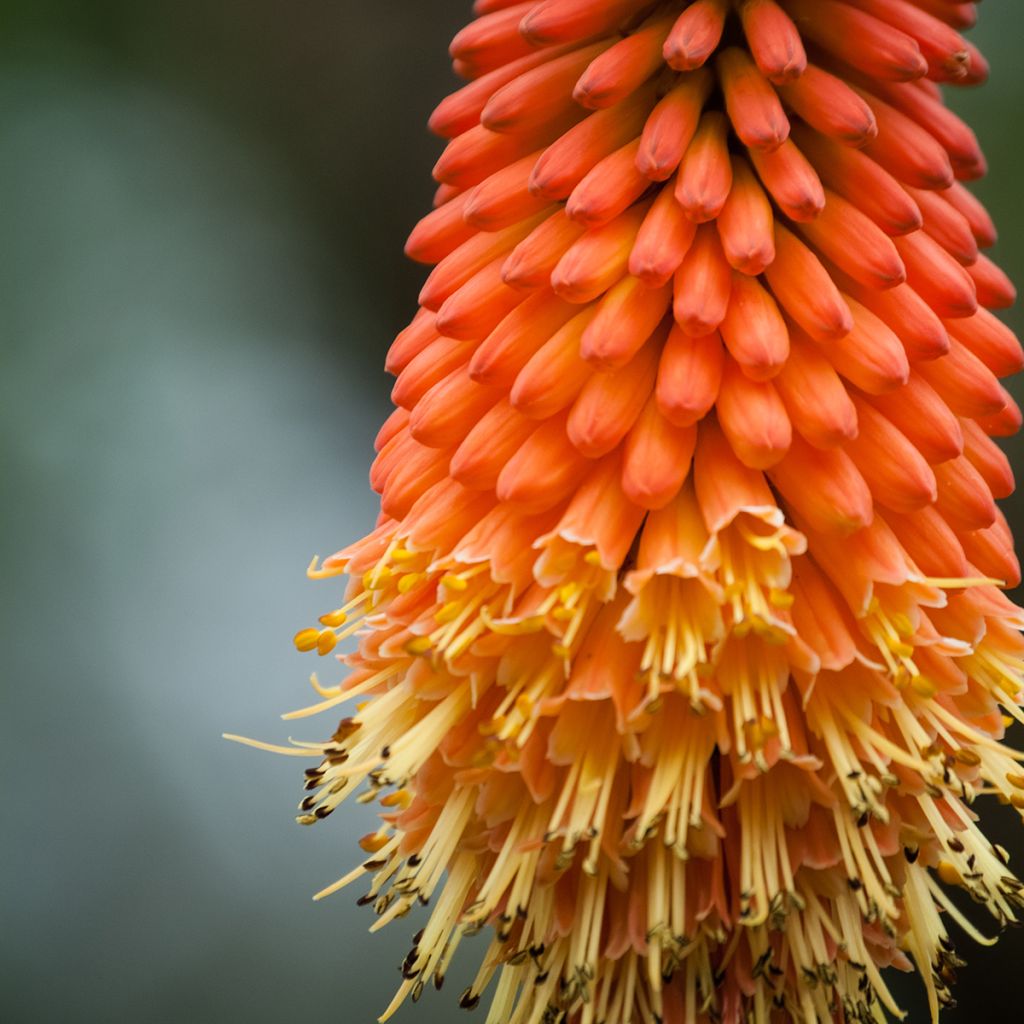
680,654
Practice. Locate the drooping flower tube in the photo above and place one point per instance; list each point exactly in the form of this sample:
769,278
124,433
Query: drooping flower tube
680,655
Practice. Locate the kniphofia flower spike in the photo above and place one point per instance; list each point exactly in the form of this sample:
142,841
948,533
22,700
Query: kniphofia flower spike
680,648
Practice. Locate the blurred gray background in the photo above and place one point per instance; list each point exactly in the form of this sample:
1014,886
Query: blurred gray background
202,210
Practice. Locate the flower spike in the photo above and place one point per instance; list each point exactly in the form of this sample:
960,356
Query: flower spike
679,660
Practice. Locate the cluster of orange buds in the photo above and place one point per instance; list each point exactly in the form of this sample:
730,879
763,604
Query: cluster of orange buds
681,644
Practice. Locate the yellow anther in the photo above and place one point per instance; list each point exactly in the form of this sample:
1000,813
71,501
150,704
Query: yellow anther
562,614
373,841
418,645
771,633
484,757
491,726
780,598
335,618
401,555
306,639
448,612
409,580
901,650
560,650
512,627
967,757
524,705
922,687
1018,801
592,558
454,582
400,798
1008,686
375,579
567,591
948,873
902,624
325,641
1017,781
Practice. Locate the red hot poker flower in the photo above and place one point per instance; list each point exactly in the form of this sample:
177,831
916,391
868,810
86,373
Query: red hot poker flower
680,647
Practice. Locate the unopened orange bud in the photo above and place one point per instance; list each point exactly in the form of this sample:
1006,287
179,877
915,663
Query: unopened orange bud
503,199
963,496
851,240
562,21
905,149
816,401
805,289
792,181
689,376
753,329
746,223
859,179
824,486
695,34
618,71
608,189
567,161
662,242
862,41
753,418
553,376
994,289
657,458
610,402
507,349
753,105
705,176
538,95
544,470
530,263
969,387
625,319
936,276
703,284
923,417
773,39
598,259
831,107
671,126
896,472
870,356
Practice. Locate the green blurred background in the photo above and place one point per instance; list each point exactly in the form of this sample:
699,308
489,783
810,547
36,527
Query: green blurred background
202,209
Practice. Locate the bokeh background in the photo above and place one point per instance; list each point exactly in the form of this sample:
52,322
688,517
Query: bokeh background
202,209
